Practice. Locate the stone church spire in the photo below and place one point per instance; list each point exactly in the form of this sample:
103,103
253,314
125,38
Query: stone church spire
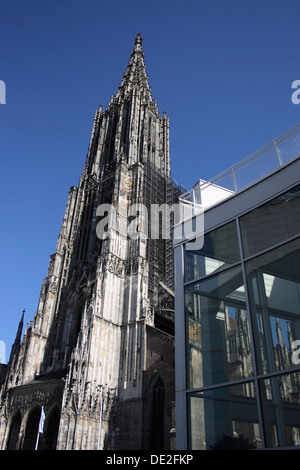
131,128
135,78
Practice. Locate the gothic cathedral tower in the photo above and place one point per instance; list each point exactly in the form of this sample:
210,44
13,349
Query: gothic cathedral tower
98,355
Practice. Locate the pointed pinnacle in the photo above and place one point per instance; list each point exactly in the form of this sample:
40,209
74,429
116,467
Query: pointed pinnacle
138,42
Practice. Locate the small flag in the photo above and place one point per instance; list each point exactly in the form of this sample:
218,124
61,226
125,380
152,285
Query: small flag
42,420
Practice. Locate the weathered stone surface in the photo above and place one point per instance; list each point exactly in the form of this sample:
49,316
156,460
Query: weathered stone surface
95,356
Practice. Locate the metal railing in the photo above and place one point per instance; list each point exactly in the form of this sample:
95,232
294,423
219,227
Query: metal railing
257,166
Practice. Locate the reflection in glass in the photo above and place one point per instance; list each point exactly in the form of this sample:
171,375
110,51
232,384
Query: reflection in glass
223,402
224,418
218,340
281,409
274,291
271,223
220,250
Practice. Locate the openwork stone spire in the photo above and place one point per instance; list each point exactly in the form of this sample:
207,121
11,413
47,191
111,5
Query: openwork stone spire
135,78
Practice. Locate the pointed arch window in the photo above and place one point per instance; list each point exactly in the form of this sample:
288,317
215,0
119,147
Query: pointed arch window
51,428
14,430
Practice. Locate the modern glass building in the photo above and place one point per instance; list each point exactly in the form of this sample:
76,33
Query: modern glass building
237,314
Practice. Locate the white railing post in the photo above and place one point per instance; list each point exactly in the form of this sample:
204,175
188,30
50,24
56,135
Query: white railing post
234,180
277,153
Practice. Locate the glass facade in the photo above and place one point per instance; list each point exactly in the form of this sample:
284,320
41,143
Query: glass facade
218,340
242,331
224,418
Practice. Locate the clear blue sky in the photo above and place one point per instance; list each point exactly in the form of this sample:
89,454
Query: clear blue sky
222,71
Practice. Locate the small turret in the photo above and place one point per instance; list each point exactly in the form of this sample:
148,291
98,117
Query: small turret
17,343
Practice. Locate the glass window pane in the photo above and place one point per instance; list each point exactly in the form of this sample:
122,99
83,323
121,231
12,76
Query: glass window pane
272,223
220,250
218,340
224,419
274,293
281,410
